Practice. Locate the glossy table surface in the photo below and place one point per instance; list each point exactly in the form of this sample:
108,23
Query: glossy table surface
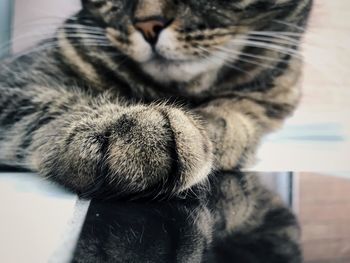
40,222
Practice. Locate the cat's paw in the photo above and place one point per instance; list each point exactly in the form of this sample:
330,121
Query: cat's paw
158,147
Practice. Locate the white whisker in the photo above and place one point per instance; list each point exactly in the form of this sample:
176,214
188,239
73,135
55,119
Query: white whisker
273,47
222,56
300,29
229,51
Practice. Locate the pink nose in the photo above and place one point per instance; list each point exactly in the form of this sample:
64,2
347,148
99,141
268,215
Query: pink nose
150,29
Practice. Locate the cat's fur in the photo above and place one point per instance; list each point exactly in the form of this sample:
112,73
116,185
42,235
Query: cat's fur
97,111
239,221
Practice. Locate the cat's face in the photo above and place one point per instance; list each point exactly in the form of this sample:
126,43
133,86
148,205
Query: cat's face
177,40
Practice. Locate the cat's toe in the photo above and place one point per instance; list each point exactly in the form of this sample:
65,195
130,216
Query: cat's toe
158,148
193,148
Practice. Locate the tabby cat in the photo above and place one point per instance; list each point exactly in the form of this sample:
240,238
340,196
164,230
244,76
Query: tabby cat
149,97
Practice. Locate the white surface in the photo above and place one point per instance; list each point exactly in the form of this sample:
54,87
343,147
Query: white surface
65,251
33,218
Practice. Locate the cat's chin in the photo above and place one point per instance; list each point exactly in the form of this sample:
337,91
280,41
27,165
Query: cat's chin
166,70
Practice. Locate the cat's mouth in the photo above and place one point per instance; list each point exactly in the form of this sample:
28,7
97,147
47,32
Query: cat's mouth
167,70
167,60
158,58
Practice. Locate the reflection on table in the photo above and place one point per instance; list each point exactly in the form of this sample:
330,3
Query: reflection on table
238,220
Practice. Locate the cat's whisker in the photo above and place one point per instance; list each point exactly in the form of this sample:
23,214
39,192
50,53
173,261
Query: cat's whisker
274,39
89,28
55,44
314,65
272,47
212,59
84,34
49,37
276,33
76,43
47,22
260,57
319,44
28,36
294,26
269,37
86,37
97,31
237,56
231,65
92,32
250,61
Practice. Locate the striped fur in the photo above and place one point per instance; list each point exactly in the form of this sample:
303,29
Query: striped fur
97,108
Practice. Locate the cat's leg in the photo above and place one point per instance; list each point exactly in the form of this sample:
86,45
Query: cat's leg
251,223
237,124
89,144
236,127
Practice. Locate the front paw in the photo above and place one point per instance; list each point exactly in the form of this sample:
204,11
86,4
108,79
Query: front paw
159,148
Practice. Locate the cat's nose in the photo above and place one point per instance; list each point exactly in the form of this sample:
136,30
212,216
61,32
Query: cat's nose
151,29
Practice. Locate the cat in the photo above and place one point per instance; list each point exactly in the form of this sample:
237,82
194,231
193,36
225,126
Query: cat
238,221
150,97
